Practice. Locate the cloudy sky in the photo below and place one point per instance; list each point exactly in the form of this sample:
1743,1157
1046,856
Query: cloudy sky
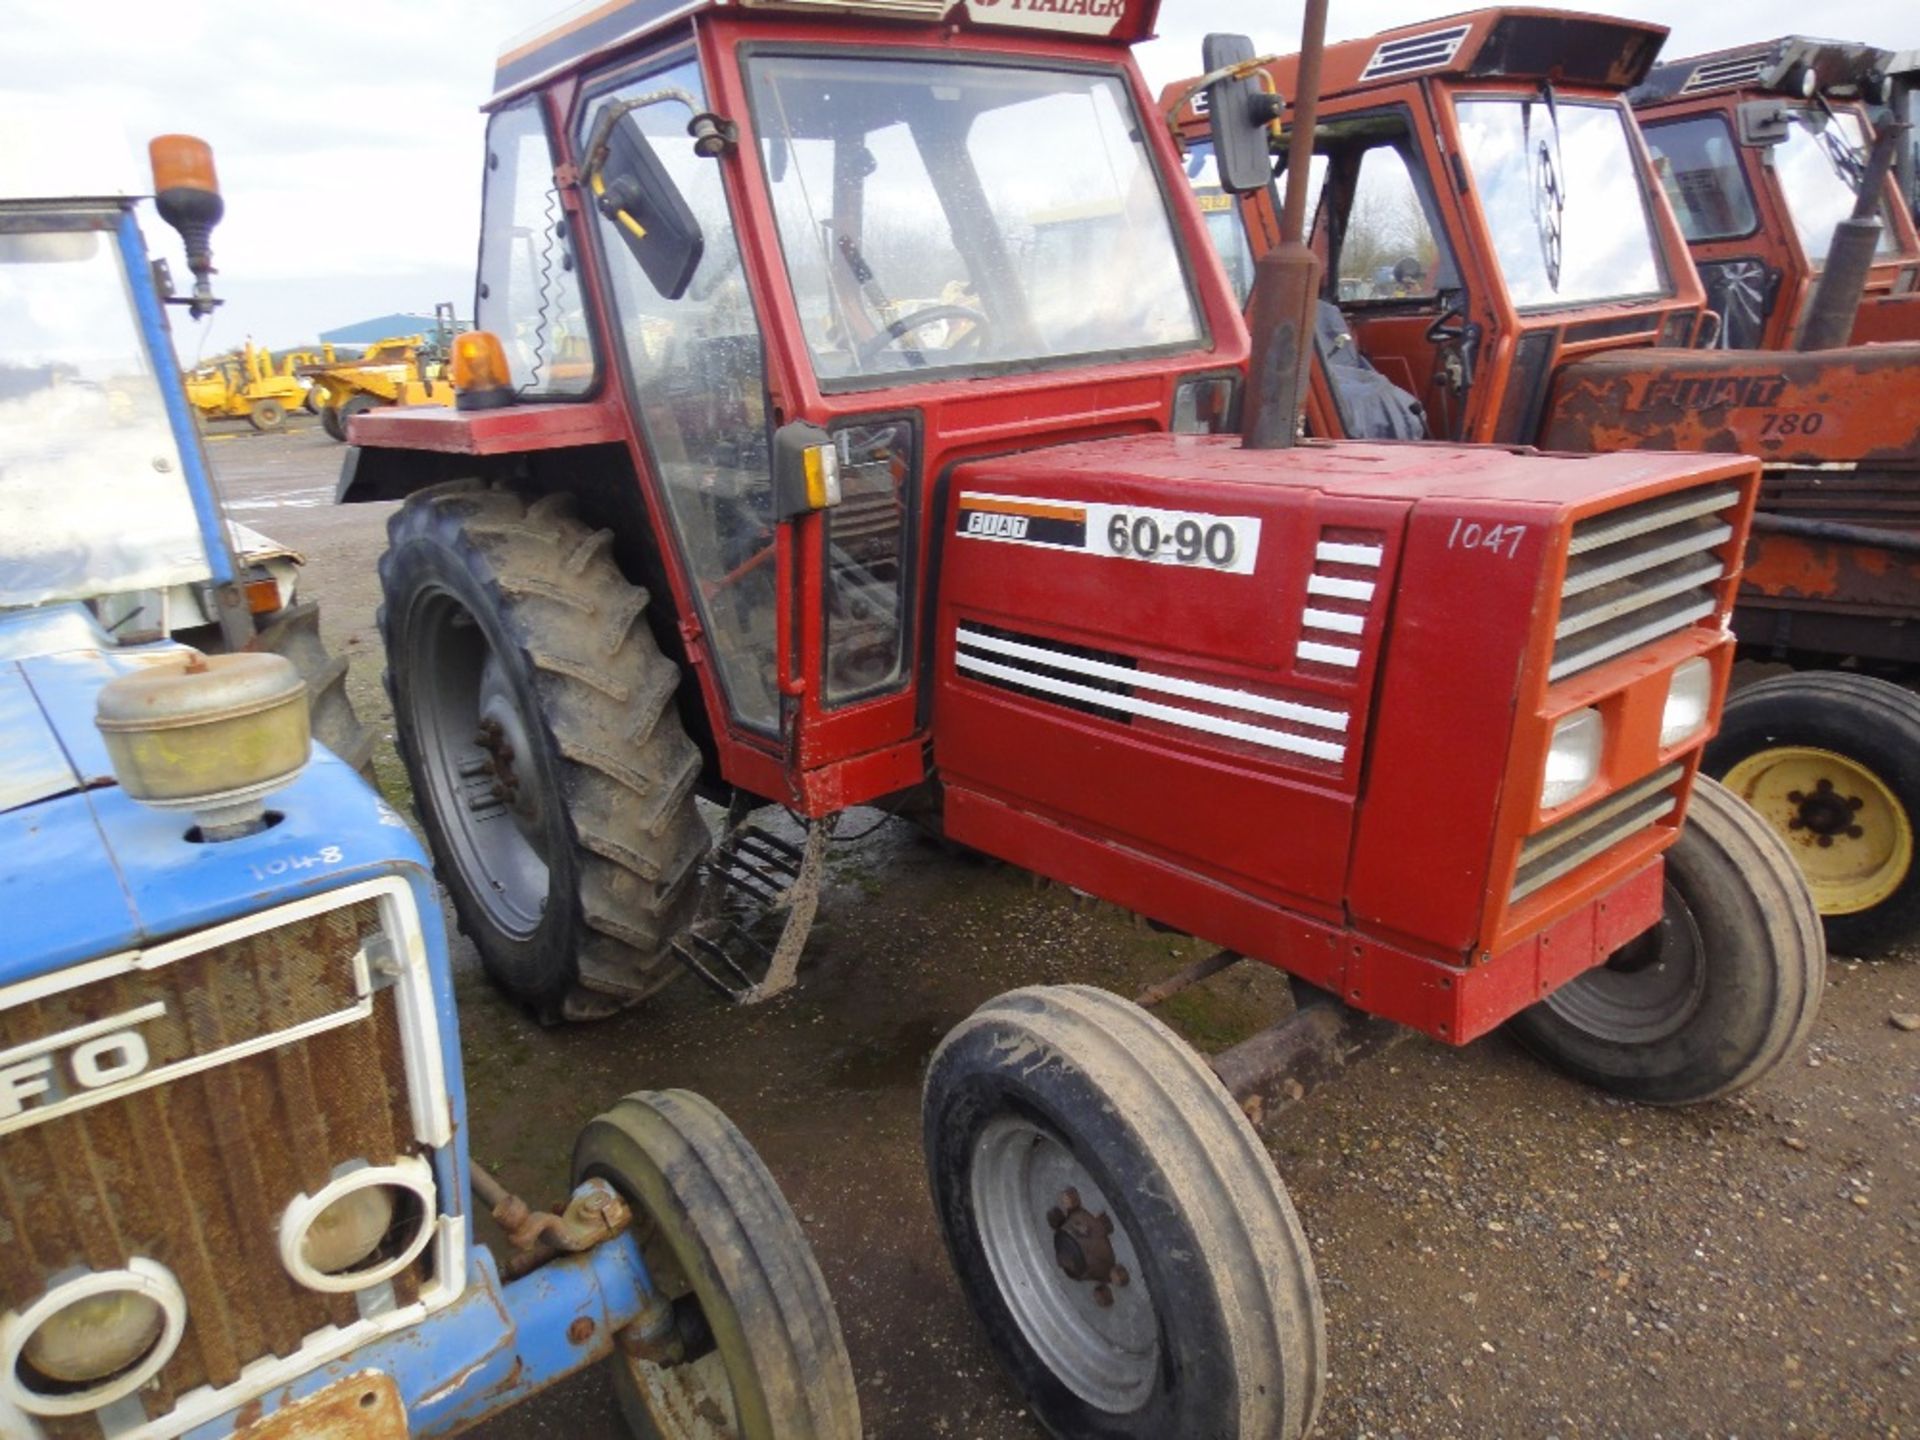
348,138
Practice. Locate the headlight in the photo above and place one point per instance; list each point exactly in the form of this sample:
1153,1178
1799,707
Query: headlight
1573,757
1689,697
365,1225
91,1339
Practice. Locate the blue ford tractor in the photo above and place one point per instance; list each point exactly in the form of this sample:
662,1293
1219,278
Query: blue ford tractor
235,1189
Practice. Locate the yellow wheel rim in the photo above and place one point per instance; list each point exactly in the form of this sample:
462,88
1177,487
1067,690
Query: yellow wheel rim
1852,838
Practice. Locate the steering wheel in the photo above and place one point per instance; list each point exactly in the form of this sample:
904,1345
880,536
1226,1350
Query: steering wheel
1440,332
907,324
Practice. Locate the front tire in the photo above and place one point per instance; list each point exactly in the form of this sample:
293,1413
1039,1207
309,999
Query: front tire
267,416
1117,1225
1831,761
1718,993
723,1246
536,720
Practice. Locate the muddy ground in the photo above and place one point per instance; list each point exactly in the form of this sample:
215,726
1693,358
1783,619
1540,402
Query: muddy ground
1504,1253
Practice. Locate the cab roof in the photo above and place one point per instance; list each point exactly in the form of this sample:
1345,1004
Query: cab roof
1505,42
1839,67
580,35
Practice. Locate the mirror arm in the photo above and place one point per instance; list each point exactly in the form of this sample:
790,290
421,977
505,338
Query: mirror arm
1245,69
612,115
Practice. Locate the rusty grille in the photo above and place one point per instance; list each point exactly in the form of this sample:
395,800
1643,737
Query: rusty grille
195,1172
1641,572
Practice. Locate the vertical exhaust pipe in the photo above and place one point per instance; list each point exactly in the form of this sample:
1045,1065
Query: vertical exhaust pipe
1835,303
1286,281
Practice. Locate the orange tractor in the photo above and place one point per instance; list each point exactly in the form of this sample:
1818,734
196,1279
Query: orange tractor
1502,266
1765,153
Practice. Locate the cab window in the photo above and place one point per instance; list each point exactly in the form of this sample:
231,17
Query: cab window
1388,250
1699,168
529,290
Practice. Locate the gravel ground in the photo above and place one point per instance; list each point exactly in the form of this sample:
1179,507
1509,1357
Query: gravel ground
1504,1253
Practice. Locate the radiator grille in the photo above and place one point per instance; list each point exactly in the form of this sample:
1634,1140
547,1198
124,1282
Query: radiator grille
194,1172
1734,70
1640,572
1569,843
1415,52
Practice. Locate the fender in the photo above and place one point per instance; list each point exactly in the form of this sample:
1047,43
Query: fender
394,452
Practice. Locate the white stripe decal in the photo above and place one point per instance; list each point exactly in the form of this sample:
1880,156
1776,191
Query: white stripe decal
1337,620
1327,654
1189,689
1191,719
1341,589
1336,553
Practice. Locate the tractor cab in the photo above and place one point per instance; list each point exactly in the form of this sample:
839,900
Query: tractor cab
1762,152
1484,211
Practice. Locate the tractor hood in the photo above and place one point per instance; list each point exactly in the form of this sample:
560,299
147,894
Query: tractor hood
1404,472
1858,406
86,871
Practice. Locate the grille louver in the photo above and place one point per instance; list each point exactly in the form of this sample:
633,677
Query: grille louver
1568,844
1639,573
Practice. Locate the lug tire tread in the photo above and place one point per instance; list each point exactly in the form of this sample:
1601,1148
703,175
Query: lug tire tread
295,634
633,893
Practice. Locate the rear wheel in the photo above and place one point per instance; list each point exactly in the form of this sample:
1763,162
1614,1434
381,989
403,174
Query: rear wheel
267,415
1831,761
536,719
752,1348
330,422
295,633
1718,993
1117,1225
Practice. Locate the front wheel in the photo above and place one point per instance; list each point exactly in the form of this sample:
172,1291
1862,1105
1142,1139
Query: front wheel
267,415
752,1348
1117,1225
1718,993
1831,761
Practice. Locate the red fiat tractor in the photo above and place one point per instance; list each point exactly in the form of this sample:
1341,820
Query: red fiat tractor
875,492
1502,265
1765,153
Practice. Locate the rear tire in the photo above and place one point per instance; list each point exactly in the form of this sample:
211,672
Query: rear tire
1211,1326
535,716
330,422
1717,994
295,633
267,416
722,1243
1831,761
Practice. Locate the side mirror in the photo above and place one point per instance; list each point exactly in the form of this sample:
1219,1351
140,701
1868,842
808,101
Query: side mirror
1240,112
1763,122
634,191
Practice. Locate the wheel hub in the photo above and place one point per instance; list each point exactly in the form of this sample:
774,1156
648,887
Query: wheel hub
1849,833
1083,1247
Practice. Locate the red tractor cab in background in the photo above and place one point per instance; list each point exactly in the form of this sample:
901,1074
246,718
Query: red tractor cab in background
858,428
1763,152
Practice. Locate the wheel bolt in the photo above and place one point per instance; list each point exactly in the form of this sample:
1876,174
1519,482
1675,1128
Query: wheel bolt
1824,786
1120,1275
1854,832
1069,1199
1854,802
1102,1296
1795,797
1796,823
1056,1217
1825,842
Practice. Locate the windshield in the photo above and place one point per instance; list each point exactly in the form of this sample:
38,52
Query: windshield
941,214
1559,184
92,497
1816,168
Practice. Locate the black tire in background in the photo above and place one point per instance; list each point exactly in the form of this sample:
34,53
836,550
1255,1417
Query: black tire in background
723,1245
1212,1325
1718,993
535,716
1831,760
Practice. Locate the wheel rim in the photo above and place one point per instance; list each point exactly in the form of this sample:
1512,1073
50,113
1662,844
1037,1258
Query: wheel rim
691,1399
1851,836
1106,1353
474,748
1647,990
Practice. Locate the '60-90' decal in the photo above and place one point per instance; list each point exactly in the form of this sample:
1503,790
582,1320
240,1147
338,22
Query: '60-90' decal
1225,543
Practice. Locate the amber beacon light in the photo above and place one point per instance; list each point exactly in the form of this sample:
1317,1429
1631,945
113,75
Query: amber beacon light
187,193
480,375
